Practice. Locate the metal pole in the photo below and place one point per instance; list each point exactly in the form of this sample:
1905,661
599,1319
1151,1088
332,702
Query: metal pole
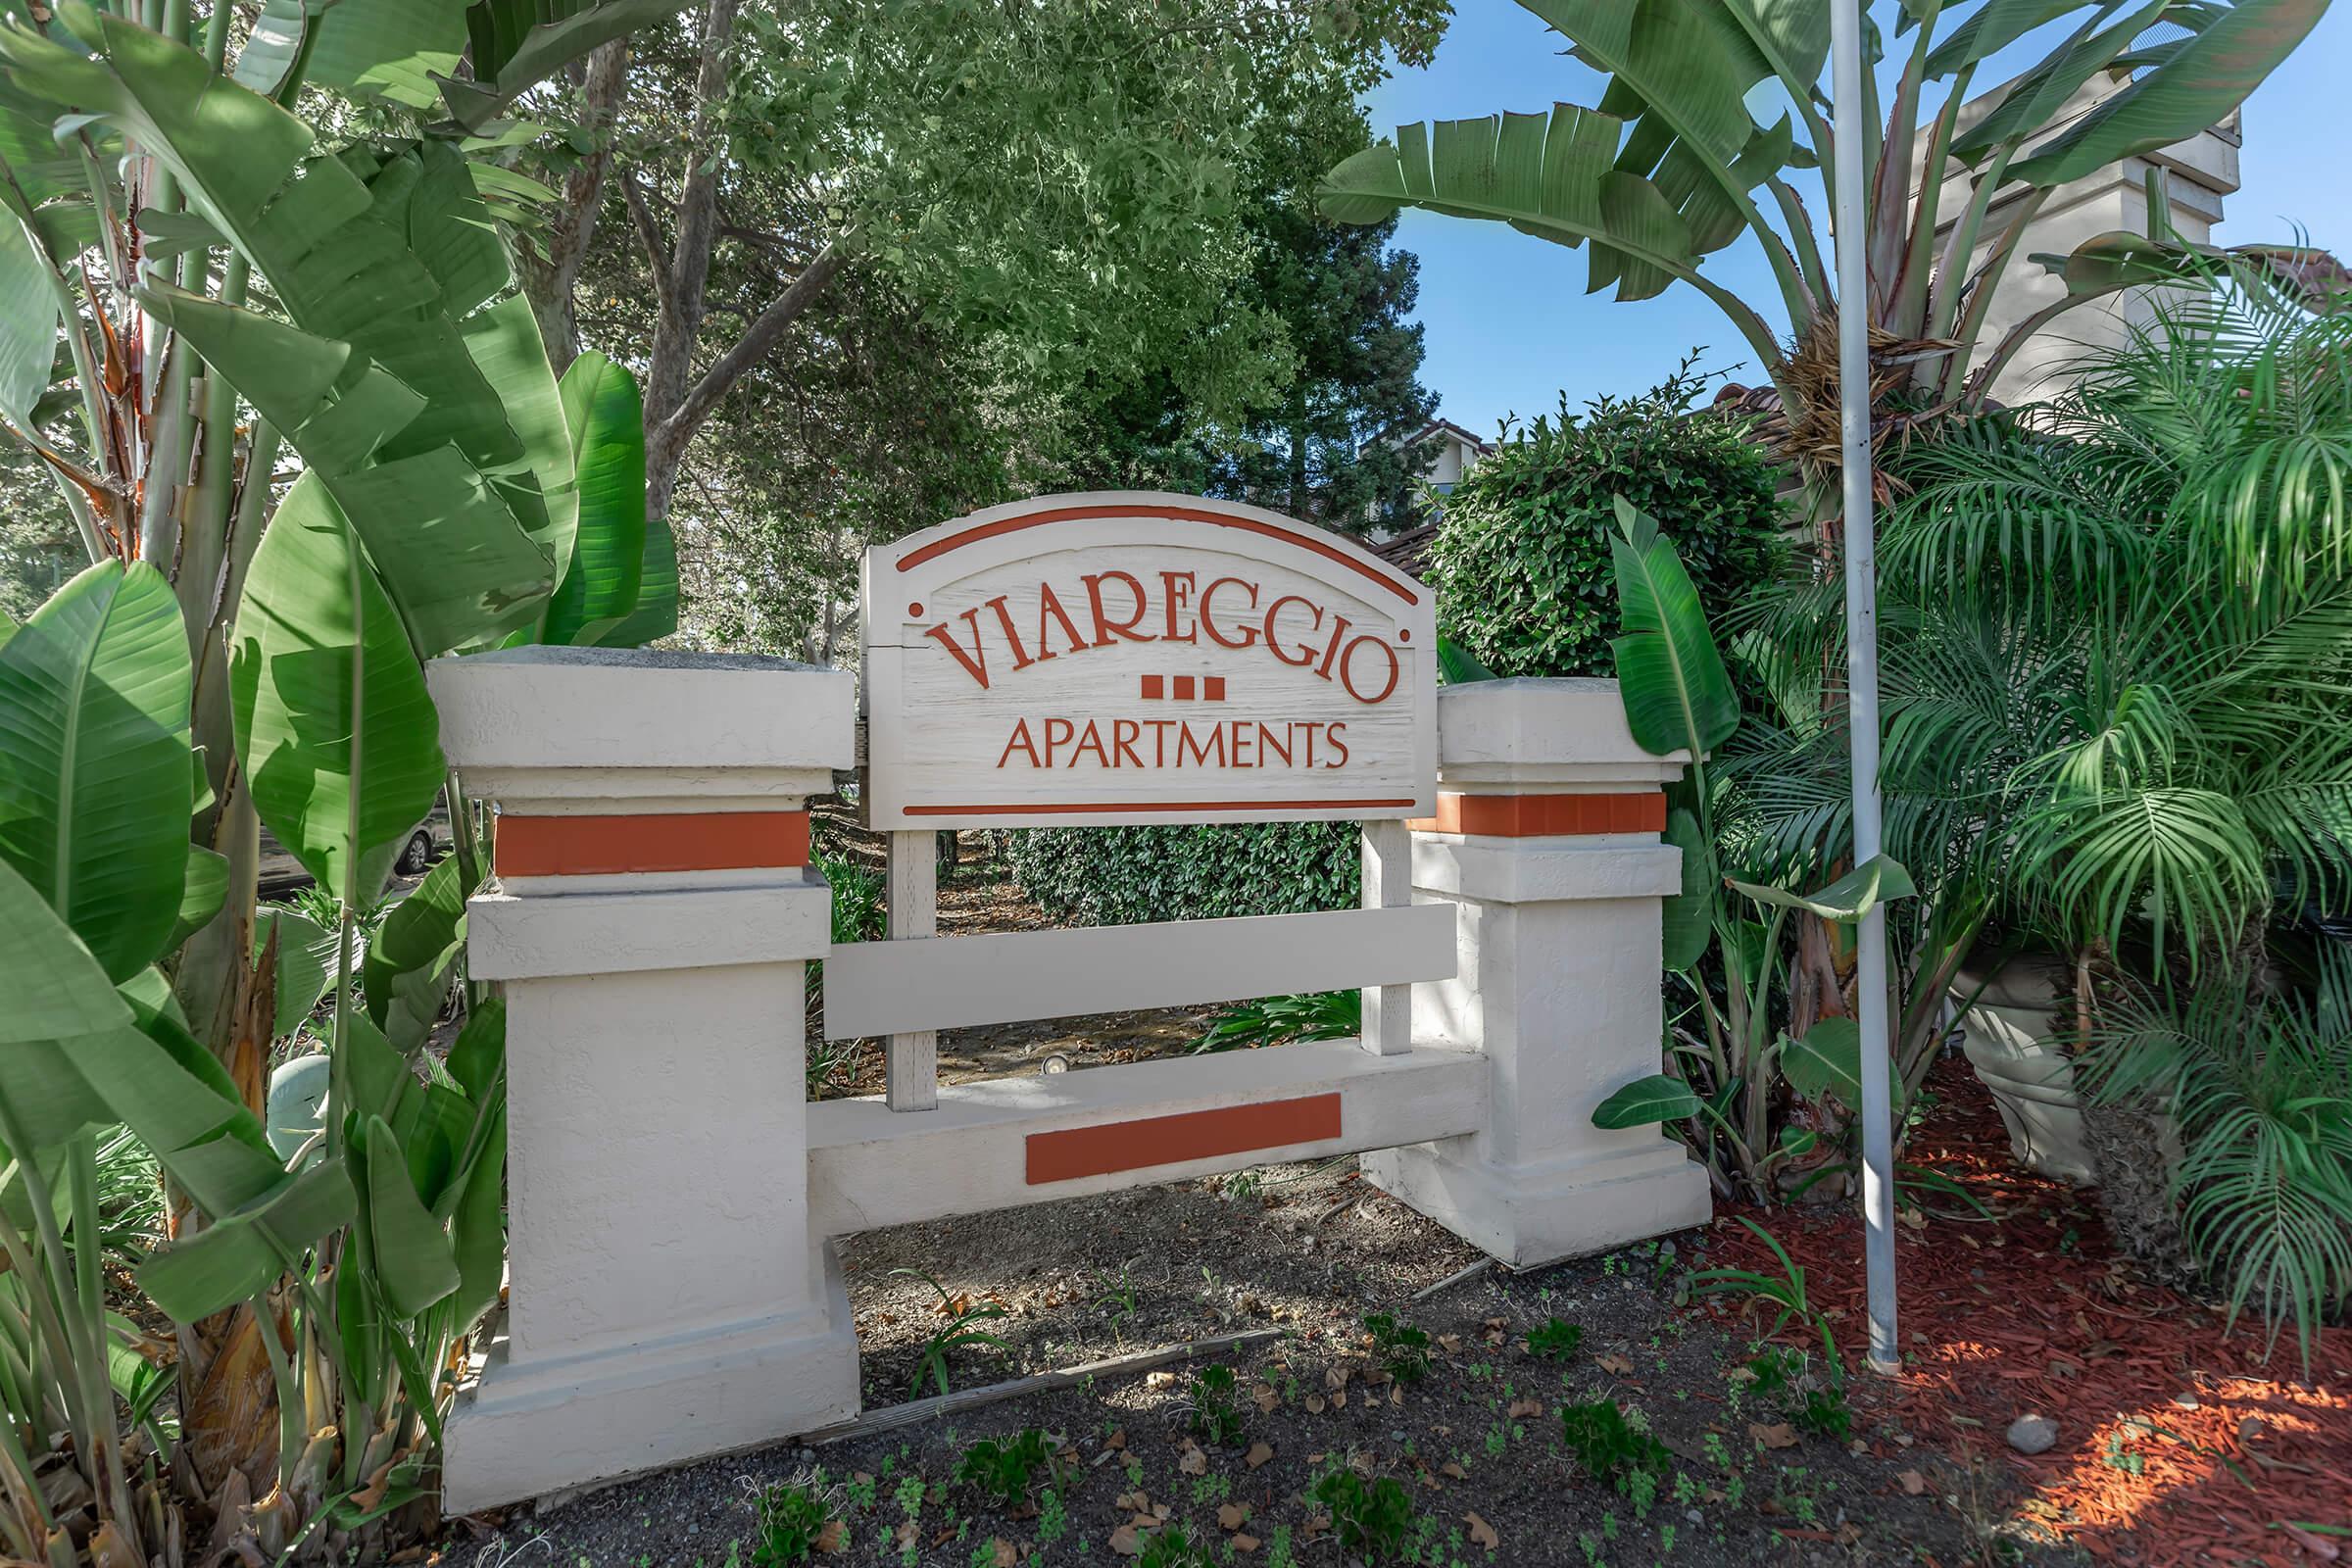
1862,666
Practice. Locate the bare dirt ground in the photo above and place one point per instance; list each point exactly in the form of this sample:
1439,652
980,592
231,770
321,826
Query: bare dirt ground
1476,1443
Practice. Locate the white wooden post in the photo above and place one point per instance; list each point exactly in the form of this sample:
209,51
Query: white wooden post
1387,1029
1547,842
912,1081
651,919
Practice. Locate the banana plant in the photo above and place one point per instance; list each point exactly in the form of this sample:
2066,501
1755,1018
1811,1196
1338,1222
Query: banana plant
194,279
1714,118
1735,1079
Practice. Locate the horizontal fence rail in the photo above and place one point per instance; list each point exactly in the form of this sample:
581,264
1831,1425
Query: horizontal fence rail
894,988
1009,1141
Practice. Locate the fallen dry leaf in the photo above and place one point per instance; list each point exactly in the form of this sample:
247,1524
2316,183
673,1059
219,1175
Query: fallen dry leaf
1266,1399
903,1536
2318,1546
1453,1469
1191,1461
1339,1399
1524,1407
1243,1544
1232,1515
1126,1542
1615,1365
1118,1439
1779,1435
1159,1380
1006,1556
1449,1343
1260,1453
1396,1395
835,1537
1914,1483
1482,1534
1315,1405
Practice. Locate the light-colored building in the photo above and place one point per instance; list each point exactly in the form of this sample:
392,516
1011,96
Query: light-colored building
1455,453
2197,174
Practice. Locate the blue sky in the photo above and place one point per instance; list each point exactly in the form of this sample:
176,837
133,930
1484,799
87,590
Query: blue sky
1510,325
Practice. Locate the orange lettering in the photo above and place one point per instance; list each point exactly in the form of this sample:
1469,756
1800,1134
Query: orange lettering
1347,666
1020,741
1049,604
1052,740
1123,735
1307,654
1106,628
975,662
1249,636
1090,740
1178,587
1340,744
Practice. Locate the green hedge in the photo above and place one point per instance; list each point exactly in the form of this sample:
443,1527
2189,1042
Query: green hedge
1129,875
1521,560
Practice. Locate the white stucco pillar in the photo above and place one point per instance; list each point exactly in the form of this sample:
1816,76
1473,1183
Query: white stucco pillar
1546,840
650,919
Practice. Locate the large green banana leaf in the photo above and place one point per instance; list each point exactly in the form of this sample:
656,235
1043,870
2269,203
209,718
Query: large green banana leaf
505,343
517,43
1555,178
305,959
77,1051
56,993
1678,696
449,547
2028,103
95,786
2198,83
412,960
332,722
29,316
390,49
332,236
605,421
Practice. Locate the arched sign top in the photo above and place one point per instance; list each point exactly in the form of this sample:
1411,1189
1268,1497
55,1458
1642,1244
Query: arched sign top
1143,656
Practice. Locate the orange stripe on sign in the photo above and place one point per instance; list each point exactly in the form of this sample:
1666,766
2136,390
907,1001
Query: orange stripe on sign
1525,816
1172,1139
1304,538
687,841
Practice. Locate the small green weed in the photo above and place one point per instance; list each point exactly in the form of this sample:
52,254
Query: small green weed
1612,1448
1555,1340
1171,1548
1372,1520
1811,1404
1217,1413
962,1312
791,1521
1009,1470
1400,1347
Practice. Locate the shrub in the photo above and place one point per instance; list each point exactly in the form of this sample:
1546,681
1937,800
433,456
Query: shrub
1129,875
1520,562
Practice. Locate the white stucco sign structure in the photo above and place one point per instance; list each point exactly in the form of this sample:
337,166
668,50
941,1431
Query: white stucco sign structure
676,1290
1124,656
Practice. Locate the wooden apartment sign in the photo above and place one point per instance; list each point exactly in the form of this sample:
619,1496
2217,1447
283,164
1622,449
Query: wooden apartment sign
1131,656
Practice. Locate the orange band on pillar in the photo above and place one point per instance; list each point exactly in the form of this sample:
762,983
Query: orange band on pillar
690,841
1527,816
1172,1139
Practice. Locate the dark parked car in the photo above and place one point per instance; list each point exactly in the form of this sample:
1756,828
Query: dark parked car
281,872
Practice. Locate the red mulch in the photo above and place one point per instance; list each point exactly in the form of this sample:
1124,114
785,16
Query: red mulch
2039,1313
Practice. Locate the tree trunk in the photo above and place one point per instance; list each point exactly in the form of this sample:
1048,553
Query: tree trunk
550,279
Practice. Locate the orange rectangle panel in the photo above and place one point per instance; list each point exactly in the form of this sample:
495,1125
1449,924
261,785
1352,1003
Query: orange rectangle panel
1524,817
685,841
1190,1135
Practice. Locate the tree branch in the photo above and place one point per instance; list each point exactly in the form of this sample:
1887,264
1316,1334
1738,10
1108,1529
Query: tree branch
649,233
573,226
681,313
668,439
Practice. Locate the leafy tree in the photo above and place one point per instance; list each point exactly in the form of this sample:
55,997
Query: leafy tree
1317,452
1055,184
